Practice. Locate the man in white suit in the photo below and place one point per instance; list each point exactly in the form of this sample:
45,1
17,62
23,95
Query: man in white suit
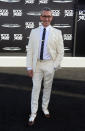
44,54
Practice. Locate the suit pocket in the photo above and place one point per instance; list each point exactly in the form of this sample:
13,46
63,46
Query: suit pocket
49,67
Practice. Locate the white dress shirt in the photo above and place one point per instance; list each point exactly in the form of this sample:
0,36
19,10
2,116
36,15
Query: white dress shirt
46,55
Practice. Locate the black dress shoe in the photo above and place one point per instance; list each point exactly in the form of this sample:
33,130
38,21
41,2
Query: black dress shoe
31,123
47,115
32,119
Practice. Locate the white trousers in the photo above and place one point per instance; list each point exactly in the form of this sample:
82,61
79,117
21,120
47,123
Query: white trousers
44,69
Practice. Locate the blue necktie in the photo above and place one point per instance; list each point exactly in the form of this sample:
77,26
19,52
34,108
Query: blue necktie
42,45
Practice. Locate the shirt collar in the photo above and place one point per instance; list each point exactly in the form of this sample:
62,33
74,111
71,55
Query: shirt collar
47,28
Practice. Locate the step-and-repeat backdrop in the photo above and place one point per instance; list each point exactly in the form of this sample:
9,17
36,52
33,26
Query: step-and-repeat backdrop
18,17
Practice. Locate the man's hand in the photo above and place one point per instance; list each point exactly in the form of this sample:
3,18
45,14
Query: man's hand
30,73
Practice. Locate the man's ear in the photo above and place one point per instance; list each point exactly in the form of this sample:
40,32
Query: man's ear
40,17
52,17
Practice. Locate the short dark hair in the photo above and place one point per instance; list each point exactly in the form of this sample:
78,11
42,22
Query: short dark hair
46,9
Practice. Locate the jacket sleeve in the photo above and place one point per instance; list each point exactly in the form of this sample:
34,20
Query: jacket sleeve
60,51
29,57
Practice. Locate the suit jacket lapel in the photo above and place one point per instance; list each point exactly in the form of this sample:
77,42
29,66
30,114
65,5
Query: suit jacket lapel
37,40
50,37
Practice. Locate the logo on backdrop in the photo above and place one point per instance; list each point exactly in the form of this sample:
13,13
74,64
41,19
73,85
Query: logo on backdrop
67,36
5,37
18,37
68,13
62,1
4,12
43,1
81,15
67,49
56,12
17,12
35,13
11,48
11,25
61,25
10,1
29,1
29,25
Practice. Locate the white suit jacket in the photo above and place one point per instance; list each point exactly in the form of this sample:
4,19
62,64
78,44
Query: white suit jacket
54,45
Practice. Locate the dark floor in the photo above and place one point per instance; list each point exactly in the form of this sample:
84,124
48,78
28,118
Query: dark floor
67,105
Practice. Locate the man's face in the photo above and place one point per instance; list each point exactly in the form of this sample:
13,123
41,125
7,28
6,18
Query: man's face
46,18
